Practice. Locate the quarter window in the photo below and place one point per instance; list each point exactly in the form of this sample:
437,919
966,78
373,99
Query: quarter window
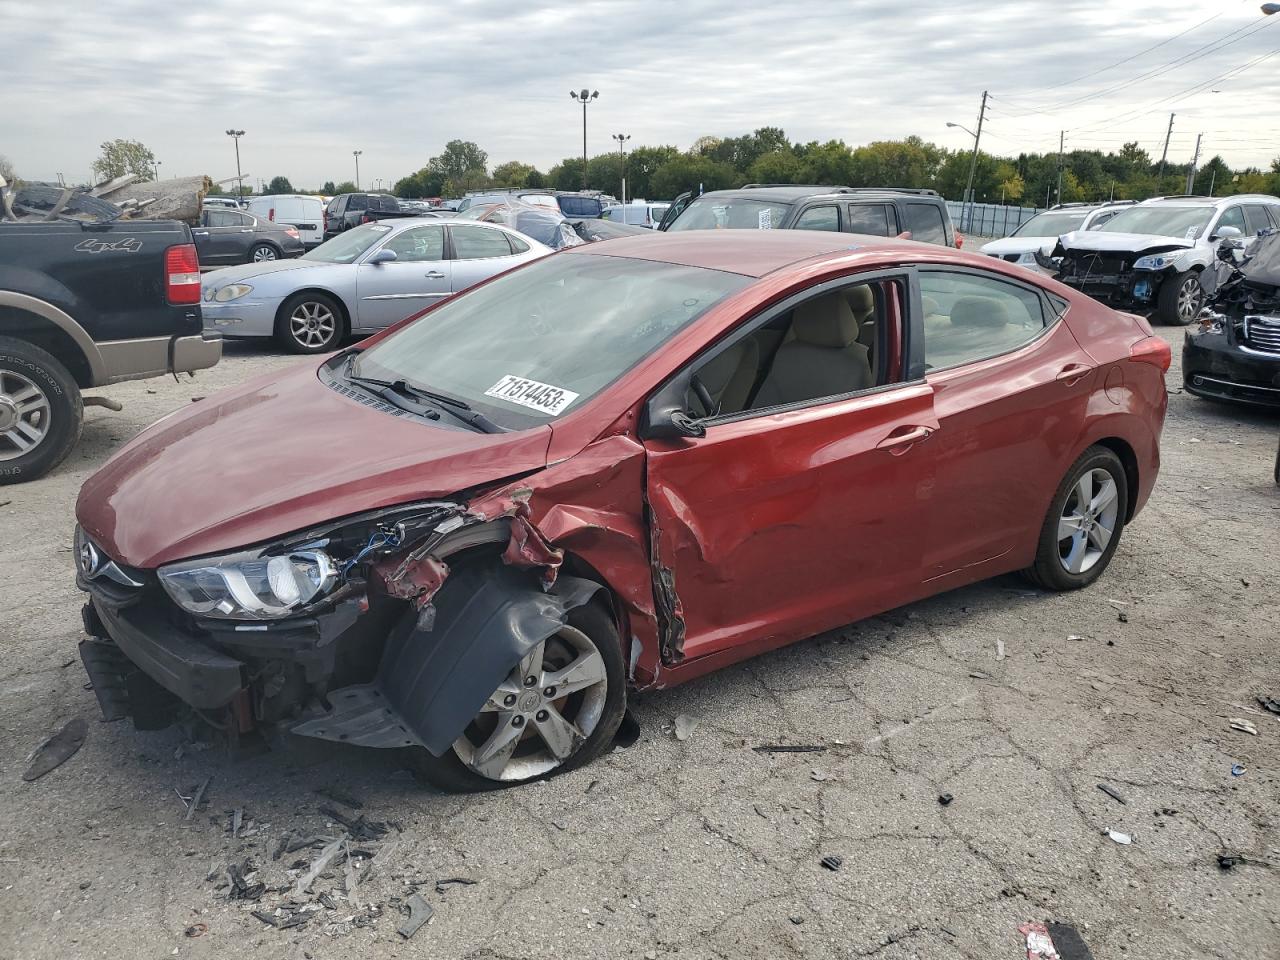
872,218
819,218
478,243
924,220
418,244
968,318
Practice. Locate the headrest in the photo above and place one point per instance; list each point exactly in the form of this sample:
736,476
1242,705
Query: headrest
861,301
979,312
930,306
825,322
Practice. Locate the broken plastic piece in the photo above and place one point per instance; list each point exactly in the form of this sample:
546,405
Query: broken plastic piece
57,750
945,799
196,798
419,913
999,649
685,725
1269,703
788,748
443,885
1039,943
1068,942
831,862
1119,837
318,866
1237,770
1112,792
1244,726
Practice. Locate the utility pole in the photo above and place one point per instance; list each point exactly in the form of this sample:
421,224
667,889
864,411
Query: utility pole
622,138
356,154
973,164
1165,154
584,95
1062,135
1195,162
1213,176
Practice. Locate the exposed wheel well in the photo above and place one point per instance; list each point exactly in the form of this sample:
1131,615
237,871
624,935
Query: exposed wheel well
1130,462
24,325
342,307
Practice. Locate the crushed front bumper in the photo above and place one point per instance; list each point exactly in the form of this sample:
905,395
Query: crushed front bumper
1125,288
1215,366
250,317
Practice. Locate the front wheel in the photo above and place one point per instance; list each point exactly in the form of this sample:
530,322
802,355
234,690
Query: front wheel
310,323
41,413
558,709
1082,529
1180,299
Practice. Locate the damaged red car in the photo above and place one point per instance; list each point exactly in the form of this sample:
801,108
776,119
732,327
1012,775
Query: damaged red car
610,470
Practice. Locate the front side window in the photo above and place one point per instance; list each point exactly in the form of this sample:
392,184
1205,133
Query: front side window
348,246
924,220
968,318
1232,217
874,219
418,244
731,213
477,243
543,340
357,201
819,218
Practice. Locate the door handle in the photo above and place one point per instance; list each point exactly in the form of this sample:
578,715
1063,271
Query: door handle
897,443
434,275
1072,372
200,233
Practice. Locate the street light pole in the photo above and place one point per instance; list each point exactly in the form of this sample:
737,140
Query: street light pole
237,134
584,95
156,164
356,154
623,138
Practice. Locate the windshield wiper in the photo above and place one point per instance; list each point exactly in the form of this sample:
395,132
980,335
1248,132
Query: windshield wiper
398,390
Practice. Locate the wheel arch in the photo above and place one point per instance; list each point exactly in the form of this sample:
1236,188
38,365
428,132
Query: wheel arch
335,297
55,331
1129,460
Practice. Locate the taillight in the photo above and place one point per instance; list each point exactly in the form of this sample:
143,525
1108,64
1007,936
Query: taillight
959,240
182,274
271,214
365,218
1154,351
291,231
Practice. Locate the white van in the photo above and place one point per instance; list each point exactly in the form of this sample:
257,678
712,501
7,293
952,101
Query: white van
295,210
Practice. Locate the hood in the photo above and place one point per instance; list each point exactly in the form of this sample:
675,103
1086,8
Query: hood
1101,241
998,248
247,271
276,455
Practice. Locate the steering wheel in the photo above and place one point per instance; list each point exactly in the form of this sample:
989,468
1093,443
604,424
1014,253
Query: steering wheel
704,395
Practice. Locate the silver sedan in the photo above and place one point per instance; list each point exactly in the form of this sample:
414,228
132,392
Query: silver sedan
360,281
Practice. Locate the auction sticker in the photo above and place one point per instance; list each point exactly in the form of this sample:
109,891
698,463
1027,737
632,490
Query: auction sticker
542,397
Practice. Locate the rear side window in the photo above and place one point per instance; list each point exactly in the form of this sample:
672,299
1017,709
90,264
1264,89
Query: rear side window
876,219
968,318
357,201
387,204
579,206
924,220
1255,215
477,243
517,245
819,218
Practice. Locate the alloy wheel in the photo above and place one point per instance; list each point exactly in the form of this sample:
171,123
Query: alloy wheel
1189,295
1088,520
263,253
541,714
24,415
312,324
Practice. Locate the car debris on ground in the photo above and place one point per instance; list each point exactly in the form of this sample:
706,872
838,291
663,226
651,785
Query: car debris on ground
831,862
685,724
1112,792
419,913
1243,725
57,750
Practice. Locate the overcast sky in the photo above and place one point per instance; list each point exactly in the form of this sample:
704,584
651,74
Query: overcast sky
399,79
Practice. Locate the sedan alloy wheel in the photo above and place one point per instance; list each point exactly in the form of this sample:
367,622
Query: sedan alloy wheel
1088,521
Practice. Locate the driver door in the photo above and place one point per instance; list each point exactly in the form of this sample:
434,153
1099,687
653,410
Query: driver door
419,276
676,208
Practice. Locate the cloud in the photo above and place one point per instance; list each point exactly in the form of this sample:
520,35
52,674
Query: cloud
397,80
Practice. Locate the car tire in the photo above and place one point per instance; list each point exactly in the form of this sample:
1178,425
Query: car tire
40,409
1180,299
310,323
591,621
1077,559
263,253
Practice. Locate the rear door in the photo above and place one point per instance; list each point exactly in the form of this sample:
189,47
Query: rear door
478,253
224,236
1011,388
353,214
925,222
417,278
873,219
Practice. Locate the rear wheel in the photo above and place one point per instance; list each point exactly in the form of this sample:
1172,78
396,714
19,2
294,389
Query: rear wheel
1082,529
557,710
310,323
1180,299
263,252
41,413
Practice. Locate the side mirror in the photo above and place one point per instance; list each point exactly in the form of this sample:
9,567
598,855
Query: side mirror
382,256
664,415
1228,233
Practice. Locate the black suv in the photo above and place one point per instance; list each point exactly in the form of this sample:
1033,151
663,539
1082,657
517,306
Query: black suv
348,210
879,211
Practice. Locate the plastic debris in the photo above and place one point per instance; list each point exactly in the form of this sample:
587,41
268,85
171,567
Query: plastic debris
1076,636
318,866
1119,837
57,750
447,882
685,725
196,798
1068,942
1244,726
831,862
241,888
1237,770
788,748
1039,943
945,799
1269,703
817,775
1112,792
1229,861
419,913
999,649
196,930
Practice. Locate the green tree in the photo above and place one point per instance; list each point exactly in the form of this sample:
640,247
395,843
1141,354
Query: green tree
461,162
346,186
535,180
692,173
1215,175
777,166
566,175
1012,186
513,173
424,183
328,189
642,163
828,163
120,157
279,185
895,163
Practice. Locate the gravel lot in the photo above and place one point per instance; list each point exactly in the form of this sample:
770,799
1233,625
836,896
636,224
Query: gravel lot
703,847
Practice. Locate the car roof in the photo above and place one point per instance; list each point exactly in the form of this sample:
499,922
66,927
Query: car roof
790,193
752,253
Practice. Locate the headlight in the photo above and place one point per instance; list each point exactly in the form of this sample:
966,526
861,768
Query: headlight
250,585
232,291
1028,257
1157,261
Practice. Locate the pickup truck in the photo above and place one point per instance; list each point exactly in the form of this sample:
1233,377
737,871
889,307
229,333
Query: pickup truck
84,304
348,210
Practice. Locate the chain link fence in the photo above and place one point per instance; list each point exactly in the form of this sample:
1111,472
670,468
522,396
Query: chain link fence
989,219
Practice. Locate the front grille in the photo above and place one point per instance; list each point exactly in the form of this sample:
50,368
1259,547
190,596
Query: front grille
1098,265
1262,333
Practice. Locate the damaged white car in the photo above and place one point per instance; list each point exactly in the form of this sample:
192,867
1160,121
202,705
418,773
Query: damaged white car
1158,256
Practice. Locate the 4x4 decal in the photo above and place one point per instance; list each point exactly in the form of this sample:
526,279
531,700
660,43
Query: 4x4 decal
129,244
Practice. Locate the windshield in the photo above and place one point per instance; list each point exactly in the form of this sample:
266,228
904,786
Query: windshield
730,213
1050,225
1185,223
347,247
544,339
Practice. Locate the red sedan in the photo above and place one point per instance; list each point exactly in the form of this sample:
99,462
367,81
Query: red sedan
613,469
